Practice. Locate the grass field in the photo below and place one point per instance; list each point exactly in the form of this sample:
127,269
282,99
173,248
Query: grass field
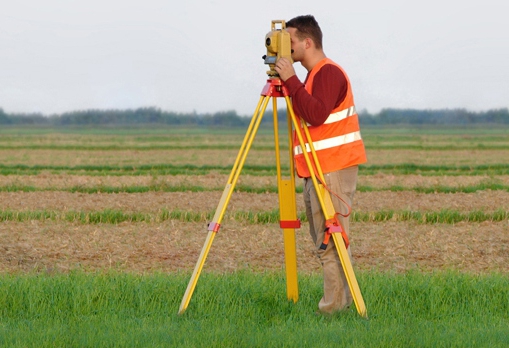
101,228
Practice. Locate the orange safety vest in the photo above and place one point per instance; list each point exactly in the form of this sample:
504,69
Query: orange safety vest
337,142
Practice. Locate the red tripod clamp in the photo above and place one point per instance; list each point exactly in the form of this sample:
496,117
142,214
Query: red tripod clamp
333,226
274,88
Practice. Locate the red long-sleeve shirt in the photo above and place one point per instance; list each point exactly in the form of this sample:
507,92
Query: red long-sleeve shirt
329,90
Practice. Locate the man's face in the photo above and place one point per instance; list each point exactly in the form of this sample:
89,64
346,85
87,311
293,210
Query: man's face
298,46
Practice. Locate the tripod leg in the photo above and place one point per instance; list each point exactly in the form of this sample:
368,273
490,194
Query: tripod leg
204,252
344,257
289,222
350,275
287,216
225,198
329,212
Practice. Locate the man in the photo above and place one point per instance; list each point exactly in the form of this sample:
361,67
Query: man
325,102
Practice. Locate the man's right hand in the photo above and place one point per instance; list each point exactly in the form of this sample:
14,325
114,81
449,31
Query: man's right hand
284,68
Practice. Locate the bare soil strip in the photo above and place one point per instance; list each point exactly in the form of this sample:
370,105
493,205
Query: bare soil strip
174,246
226,157
153,202
218,181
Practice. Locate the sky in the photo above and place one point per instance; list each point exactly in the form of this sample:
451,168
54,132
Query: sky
206,56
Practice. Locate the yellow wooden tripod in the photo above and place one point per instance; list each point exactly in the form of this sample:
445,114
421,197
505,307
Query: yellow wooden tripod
274,88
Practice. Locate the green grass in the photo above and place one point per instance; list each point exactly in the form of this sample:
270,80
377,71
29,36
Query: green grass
235,146
130,131
140,147
445,131
493,186
152,169
108,216
244,309
263,170
444,216
164,187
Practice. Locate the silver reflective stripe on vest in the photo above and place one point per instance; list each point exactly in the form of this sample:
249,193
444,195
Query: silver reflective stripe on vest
329,143
339,116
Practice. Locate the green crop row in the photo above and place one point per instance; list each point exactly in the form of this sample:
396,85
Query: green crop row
190,169
220,146
445,216
248,188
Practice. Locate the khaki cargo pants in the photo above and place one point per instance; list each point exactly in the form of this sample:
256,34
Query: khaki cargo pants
336,293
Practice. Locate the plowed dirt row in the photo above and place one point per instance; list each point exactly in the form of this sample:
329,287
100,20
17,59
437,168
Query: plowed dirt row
175,246
487,201
215,180
226,157
169,246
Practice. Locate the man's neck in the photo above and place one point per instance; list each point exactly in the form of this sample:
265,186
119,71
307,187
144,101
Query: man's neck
314,59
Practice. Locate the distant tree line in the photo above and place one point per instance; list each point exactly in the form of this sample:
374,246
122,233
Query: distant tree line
435,117
156,116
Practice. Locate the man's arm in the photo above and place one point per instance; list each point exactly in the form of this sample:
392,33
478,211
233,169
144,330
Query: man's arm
329,90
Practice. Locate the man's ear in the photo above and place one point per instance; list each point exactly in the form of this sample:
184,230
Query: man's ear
308,42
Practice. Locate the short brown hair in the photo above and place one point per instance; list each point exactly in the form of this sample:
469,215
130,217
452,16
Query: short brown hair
307,27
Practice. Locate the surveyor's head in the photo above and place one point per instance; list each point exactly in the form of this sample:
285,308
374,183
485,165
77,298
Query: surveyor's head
306,27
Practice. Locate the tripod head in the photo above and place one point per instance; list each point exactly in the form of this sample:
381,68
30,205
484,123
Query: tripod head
278,45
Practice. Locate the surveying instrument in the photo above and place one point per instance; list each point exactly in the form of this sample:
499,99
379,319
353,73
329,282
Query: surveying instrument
278,44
